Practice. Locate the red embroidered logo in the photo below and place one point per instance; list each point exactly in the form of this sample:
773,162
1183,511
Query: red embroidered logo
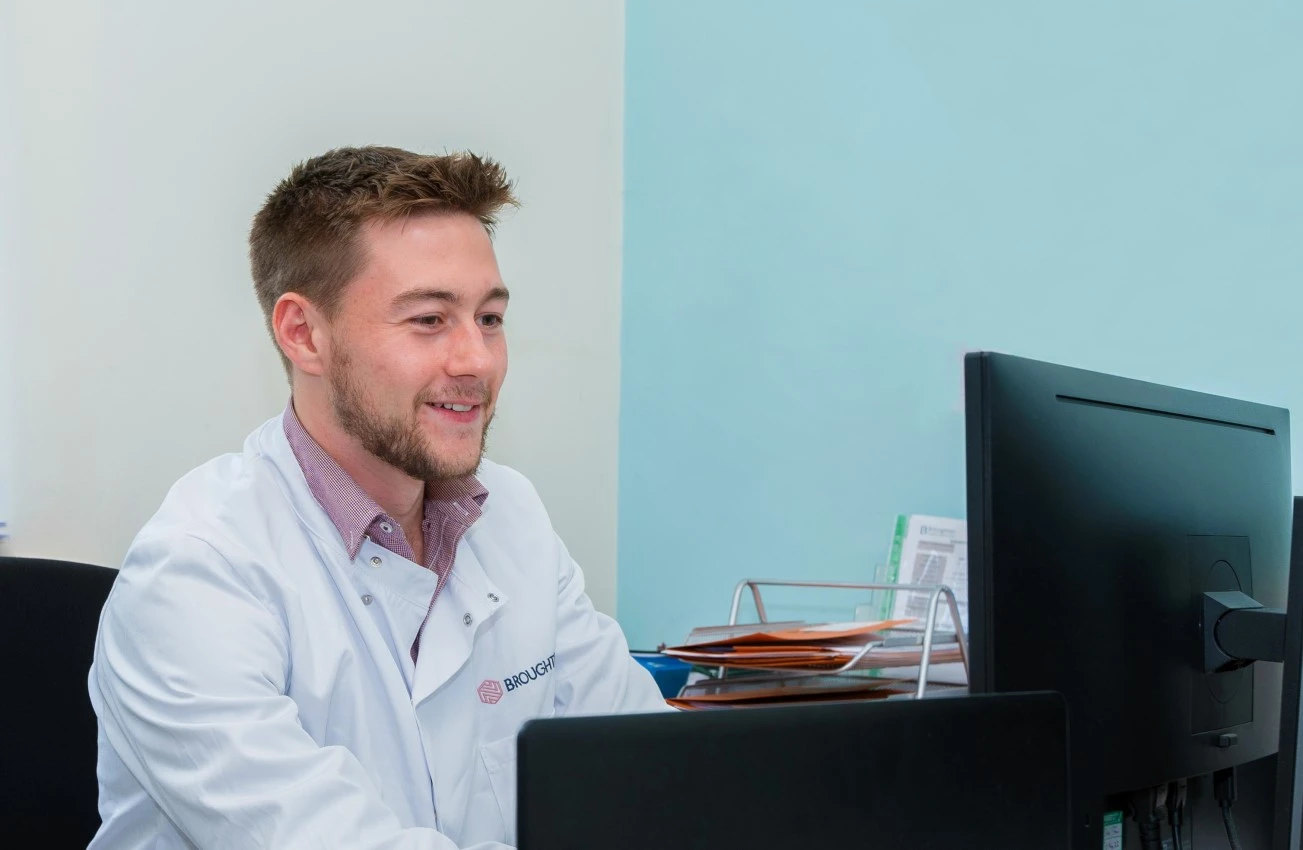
490,691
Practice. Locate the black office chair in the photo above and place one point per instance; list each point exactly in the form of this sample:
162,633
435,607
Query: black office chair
49,611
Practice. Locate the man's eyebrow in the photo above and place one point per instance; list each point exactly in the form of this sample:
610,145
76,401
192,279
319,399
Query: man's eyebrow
415,296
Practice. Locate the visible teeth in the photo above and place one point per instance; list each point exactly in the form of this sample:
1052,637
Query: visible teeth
460,408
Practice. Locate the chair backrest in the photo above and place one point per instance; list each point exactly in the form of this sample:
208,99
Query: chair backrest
49,612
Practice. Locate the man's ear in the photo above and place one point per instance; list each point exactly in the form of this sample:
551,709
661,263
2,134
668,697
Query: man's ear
301,331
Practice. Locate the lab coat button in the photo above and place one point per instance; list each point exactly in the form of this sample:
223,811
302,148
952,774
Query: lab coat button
468,619
366,599
493,597
375,561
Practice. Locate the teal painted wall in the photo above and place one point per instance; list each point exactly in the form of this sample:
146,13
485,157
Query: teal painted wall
827,203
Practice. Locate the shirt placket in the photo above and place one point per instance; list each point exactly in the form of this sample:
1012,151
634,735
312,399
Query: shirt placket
441,540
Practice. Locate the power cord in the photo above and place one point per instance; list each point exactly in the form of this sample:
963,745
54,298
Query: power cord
1148,808
1224,792
1176,793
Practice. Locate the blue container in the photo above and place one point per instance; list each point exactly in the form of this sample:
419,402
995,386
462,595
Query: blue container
670,674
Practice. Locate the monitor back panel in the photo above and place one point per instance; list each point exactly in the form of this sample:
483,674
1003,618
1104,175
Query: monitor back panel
987,771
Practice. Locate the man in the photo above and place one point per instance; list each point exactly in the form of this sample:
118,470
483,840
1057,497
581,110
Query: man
332,638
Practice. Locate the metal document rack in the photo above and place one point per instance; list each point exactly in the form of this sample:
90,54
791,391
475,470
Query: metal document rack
935,594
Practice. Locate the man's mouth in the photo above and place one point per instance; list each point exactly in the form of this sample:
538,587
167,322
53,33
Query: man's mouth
456,412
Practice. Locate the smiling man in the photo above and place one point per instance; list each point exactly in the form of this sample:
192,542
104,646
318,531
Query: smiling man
331,638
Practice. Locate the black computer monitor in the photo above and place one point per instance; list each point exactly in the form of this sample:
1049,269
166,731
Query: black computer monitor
1101,511
937,774
1288,833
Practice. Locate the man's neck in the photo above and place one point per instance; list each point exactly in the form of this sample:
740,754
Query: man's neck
398,494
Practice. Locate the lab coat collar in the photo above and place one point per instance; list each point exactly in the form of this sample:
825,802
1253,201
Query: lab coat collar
270,442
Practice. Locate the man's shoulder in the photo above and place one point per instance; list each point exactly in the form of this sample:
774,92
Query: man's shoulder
219,500
228,522
507,485
511,494
499,477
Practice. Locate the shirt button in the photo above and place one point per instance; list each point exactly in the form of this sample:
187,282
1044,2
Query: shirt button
493,597
366,599
468,619
375,561
386,527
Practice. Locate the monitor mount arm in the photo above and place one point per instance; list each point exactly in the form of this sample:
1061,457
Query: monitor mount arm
1238,630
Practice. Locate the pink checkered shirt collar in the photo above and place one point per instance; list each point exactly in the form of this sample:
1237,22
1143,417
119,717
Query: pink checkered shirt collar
349,507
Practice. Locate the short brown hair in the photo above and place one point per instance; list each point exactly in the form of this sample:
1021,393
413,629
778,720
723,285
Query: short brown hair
306,237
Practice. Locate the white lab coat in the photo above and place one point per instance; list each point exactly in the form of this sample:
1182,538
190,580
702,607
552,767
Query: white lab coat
255,687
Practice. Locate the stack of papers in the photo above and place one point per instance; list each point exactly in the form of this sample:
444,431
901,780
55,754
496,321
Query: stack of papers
796,646
752,691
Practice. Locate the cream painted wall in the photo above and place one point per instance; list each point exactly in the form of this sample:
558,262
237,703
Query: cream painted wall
142,137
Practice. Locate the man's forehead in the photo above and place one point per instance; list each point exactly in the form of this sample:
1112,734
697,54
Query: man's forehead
429,257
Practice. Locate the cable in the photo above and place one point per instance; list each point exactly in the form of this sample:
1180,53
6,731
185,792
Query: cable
1176,793
1151,835
1224,792
1147,808
1231,832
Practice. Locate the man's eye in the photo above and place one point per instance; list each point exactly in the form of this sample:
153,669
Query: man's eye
492,320
428,321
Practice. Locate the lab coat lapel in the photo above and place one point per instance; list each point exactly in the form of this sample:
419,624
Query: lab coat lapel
467,602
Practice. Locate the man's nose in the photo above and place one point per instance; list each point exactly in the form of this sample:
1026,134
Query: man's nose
470,354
